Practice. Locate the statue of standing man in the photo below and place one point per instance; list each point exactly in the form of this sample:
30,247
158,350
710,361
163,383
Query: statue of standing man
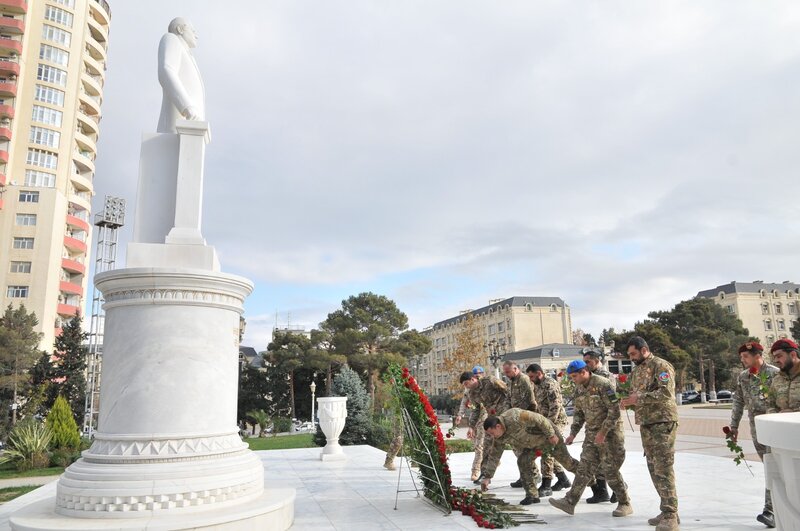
184,94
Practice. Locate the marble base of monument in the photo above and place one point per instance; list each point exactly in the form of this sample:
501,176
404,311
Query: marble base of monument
781,432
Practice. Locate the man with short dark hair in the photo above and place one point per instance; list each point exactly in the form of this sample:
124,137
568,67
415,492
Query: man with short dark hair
521,395
594,363
652,394
487,393
477,439
751,385
551,405
526,432
784,394
596,408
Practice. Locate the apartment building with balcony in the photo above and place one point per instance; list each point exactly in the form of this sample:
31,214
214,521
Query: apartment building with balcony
53,57
767,310
504,326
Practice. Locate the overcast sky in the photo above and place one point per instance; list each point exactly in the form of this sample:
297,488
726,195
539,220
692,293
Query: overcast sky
620,155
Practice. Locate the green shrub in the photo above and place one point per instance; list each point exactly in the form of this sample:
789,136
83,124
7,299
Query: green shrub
281,425
380,432
62,425
457,446
27,445
63,457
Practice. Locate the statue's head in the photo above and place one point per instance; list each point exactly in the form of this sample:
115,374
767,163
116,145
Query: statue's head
184,29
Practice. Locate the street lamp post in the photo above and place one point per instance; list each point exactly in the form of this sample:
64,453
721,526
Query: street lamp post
496,351
313,389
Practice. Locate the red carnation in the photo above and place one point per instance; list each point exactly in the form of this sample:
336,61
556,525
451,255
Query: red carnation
561,374
492,411
448,435
753,370
726,430
622,378
538,453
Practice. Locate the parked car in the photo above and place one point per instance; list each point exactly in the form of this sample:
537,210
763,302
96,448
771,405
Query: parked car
307,426
691,397
724,395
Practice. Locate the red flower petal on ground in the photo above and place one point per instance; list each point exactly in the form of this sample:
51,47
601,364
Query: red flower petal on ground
623,378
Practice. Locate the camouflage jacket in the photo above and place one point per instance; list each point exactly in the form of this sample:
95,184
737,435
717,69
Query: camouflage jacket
550,402
748,394
520,392
492,395
600,371
784,393
597,406
466,407
523,430
654,383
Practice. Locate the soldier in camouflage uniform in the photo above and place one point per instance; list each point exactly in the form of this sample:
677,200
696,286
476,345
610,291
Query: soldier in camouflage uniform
521,395
653,397
750,394
488,394
596,406
784,393
477,440
526,432
594,363
551,405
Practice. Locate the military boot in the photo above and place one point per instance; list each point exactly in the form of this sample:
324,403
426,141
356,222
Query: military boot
562,483
389,463
599,492
669,522
623,509
517,484
544,488
563,504
766,518
613,497
529,499
477,481
656,519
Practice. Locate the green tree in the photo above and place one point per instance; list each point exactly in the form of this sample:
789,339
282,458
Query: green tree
359,422
660,344
19,350
69,367
62,425
367,329
254,391
795,330
260,418
467,353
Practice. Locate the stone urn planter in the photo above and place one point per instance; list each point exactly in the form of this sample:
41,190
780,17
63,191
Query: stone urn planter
781,432
332,415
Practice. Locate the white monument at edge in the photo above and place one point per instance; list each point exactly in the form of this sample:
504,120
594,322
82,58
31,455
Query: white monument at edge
167,454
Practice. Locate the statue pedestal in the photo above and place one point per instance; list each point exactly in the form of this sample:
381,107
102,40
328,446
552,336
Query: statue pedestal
781,432
167,451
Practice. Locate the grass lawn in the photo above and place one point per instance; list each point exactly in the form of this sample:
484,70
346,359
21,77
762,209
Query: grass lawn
8,471
284,442
10,493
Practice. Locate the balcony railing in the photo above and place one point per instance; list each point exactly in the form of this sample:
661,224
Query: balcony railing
12,25
14,6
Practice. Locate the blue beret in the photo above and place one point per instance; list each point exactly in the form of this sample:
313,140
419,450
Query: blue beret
476,369
575,366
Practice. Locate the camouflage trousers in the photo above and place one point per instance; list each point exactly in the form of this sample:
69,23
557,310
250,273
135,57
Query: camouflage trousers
603,461
658,441
761,450
478,444
528,471
550,466
394,447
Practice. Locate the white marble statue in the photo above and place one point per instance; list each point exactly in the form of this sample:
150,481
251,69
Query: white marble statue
184,94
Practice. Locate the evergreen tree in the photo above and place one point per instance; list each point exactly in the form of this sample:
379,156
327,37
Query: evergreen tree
357,426
69,368
62,425
253,391
19,343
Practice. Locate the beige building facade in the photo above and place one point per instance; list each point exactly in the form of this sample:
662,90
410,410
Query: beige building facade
52,70
505,326
768,311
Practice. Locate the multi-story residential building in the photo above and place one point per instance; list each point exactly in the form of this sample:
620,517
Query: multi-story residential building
504,326
768,311
52,71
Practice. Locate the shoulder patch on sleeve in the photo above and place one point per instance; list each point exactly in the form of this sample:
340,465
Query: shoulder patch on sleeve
663,377
611,394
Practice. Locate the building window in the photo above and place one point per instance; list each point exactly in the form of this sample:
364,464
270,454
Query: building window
20,267
775,293
492,329
792,308
770,340
45,137
49,95
47,116
721,294
553,308
28,196
26,220
43,159
781,324
67,3
500,327
51,74
53,54
762,293
764,308
23,243
56,35
778,308
17,292
58,15
529,307
39,178
731,308
767,324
